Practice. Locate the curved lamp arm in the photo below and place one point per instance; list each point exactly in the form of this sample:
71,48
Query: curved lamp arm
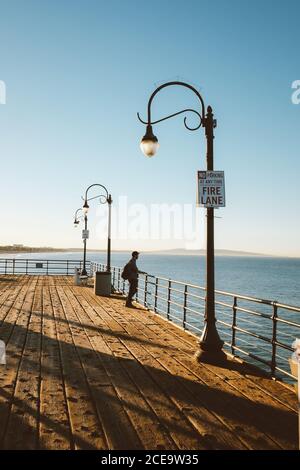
76,221
99,185
76,212
176,114
89,199
201,116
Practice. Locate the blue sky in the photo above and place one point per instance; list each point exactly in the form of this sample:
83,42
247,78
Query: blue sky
77,72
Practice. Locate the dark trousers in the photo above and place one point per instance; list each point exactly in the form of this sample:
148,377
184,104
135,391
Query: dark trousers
133,284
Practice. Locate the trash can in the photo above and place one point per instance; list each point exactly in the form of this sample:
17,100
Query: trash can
77,277
102,283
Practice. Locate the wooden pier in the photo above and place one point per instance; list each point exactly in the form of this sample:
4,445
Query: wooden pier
84,372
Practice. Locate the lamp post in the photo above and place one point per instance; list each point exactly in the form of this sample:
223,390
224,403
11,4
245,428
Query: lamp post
76,223
108,200
210,344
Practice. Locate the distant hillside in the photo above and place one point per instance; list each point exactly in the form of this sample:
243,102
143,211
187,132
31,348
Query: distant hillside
203,252
179,251
28,249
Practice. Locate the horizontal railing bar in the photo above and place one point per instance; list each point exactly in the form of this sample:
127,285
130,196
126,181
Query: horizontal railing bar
251,333
223,304
226,333
288,322
253,312
188,309
285,372
250,322
283,346
193,327
278,356
190,294
226,314
223,323
253,356
245,297
37,260
174,317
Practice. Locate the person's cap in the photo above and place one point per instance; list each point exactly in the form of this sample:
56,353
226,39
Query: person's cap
135,253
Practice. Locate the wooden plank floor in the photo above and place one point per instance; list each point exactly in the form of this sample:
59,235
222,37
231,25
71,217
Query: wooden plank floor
84,372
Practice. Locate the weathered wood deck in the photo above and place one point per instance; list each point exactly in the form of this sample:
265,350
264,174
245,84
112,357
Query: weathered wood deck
85,372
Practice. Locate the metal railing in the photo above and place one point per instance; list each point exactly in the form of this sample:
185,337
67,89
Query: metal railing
257,329
39,266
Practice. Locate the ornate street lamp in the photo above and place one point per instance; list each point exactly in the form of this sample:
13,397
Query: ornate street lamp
210,344
106,199
76,223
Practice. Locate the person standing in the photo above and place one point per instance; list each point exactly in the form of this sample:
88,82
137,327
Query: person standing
130,273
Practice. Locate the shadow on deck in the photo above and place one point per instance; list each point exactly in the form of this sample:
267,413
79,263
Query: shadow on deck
84,372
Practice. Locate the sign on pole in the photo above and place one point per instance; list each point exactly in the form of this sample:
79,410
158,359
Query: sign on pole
211,189
85,234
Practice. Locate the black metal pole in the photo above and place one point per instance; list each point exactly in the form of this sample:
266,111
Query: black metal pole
84,272
210,343
109,201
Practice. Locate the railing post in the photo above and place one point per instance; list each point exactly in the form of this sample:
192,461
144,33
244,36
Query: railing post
274,339
184,306
47,269
156,293
113,276
27,266
146,290
14,266
123,283
169,299
233,336
137,290
119,279
5,272
67,267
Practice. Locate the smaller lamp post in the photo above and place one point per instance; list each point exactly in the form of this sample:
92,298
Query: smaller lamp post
76,223
106,199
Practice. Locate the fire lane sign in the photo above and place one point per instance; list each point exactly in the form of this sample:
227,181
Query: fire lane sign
85,234
211,189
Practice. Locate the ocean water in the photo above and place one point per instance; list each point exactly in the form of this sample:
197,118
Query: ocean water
264,277
273,279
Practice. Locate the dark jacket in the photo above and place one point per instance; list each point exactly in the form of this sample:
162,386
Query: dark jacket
132,270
